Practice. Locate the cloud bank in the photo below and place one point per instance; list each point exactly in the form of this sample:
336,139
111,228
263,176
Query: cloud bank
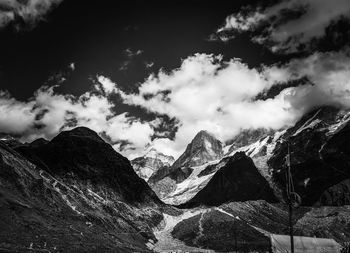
25,13
205,92
208,93
287,25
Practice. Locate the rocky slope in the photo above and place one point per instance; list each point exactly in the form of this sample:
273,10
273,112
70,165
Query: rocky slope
74,194
145,166
247,225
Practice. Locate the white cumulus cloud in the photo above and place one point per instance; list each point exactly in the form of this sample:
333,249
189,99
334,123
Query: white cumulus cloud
204,93
48,113
208,93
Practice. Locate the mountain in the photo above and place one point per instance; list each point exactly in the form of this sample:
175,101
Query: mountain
74,194
145,166
237,180
254,143
82,153
319,145
203,148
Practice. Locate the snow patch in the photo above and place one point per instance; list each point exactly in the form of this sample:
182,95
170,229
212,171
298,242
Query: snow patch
190,186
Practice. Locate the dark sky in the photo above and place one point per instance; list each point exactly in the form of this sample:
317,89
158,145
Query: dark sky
95,34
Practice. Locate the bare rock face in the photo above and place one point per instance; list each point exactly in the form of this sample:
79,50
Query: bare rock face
237,180
145,166
202,149
73,194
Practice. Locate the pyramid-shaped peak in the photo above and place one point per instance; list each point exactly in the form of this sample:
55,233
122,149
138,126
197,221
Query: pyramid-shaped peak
204,133
202,136
203,148
82,131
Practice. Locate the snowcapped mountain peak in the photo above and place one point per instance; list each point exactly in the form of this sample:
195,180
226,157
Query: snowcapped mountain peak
153,160
155,154
203,148
203,135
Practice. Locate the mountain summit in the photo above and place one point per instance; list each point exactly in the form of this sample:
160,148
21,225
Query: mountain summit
203,148
145,166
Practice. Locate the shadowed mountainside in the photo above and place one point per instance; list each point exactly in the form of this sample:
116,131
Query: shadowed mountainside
73,194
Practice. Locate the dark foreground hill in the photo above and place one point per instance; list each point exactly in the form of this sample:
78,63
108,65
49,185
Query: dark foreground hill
73,194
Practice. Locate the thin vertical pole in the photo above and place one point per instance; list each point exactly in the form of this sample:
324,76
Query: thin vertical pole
291,227
289,189
236,240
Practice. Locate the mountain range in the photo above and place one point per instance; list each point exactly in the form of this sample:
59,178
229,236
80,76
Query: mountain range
75,193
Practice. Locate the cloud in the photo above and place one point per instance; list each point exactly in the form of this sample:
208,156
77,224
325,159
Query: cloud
25,13
15,116
48,113
207,93
329,75
287,25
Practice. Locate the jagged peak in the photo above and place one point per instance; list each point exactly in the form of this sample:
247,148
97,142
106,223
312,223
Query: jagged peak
203,138
204,133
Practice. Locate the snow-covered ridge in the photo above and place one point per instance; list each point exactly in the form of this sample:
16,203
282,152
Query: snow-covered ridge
165,159
153,160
